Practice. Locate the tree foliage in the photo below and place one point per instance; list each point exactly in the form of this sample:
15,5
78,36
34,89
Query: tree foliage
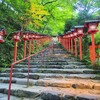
51,17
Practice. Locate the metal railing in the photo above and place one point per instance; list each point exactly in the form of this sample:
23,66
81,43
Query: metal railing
26,58
30,38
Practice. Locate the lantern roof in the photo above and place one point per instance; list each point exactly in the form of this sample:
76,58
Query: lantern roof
69,32
25,32
65,33
32,32
92,21
72,30
60,35
80,26
17,32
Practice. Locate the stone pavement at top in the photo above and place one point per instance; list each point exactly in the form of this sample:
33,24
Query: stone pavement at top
58,76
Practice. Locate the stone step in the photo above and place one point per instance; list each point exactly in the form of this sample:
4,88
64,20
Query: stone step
54,59
20,91
58,48
52,63
52,75
69,83
49,93
59,51
46,60
58,76
59,71
53,52
52,82
5,96
71,66
20,81
53,55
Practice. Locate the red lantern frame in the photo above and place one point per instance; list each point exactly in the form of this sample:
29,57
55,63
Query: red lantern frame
2,34
92,24
92,29
79,30
16,36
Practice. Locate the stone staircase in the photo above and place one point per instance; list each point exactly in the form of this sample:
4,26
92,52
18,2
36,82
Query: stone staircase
58,76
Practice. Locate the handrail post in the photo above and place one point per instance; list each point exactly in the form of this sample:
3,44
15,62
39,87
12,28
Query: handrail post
28,71
10,81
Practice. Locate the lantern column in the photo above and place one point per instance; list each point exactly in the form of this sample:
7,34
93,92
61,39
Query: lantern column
72,37
16,39
25,38
92,29
75,43
79,30
30,42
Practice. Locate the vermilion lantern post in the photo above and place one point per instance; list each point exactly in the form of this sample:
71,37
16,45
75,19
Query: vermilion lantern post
75,42
30,40
58,38
42,38
36,38
79,30
25,38
92,29
33,38
69,41
16,39
64,41
72,37
2,34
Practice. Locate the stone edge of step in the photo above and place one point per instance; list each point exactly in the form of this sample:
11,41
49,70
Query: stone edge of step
49,95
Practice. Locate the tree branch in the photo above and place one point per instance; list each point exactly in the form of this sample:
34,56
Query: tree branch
49,2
